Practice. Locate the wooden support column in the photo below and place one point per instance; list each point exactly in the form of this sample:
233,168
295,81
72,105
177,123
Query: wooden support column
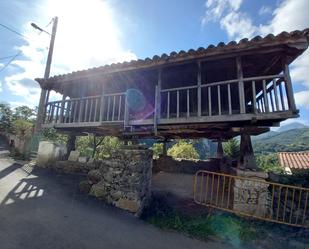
242,104
199,90
159,93
70,144
157,109
246,156
164,148
126,112
289,88
220,152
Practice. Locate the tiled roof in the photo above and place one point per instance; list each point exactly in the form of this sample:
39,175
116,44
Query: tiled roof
294,160
157,60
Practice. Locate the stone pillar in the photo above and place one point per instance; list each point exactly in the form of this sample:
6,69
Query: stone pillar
124,180
246,156
219,149
250,196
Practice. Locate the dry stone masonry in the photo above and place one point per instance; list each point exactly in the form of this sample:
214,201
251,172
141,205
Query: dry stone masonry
124,180
250,196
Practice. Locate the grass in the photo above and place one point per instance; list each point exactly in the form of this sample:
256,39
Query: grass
220,226
225,227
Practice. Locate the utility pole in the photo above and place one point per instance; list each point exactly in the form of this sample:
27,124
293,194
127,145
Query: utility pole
41,108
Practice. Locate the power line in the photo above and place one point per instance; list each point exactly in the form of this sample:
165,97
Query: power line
6,57
12,30
10,61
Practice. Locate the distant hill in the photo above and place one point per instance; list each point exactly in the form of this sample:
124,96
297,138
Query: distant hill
291,126
288,140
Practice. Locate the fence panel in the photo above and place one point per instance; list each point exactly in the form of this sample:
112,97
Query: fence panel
253,197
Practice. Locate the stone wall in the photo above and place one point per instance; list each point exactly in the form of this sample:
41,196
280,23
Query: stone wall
19,142
168,164
123,181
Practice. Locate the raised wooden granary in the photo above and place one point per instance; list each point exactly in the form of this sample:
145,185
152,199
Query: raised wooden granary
216,92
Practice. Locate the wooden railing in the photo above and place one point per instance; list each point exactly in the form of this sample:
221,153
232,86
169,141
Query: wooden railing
100,108
219,100
253,95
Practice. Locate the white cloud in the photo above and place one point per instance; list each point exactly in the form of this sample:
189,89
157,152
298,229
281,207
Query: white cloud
302,98
87,36
215,9
264,10
288,16
238,25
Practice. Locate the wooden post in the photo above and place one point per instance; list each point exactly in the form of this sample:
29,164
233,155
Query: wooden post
229,98
126,112
289,88
246,157
242,104
265,97
164,148
70,144
159,93
254,97
102,107
220,153
155,117
62,108
199,90
276,94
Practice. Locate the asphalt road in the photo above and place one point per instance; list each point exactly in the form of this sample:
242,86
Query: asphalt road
42,210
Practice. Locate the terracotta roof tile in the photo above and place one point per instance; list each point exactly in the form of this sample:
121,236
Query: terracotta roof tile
182,55
294,160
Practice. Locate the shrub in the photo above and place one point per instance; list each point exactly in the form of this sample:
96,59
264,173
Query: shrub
231,148
183,150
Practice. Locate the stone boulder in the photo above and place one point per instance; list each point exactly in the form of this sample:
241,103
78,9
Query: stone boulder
94,176
98,190
74,156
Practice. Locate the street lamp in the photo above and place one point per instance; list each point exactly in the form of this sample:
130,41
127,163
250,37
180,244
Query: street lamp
43,96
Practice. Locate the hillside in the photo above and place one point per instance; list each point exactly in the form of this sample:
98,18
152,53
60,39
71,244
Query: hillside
288,140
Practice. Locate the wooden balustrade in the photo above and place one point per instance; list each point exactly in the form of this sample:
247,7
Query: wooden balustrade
105,108
265,94
261,95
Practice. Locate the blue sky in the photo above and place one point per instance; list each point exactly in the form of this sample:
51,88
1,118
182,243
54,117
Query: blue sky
95,32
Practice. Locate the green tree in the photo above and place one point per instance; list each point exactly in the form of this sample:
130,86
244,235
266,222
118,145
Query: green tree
22,128
269,163
24,113
5,117
97,147
183,150
231,148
